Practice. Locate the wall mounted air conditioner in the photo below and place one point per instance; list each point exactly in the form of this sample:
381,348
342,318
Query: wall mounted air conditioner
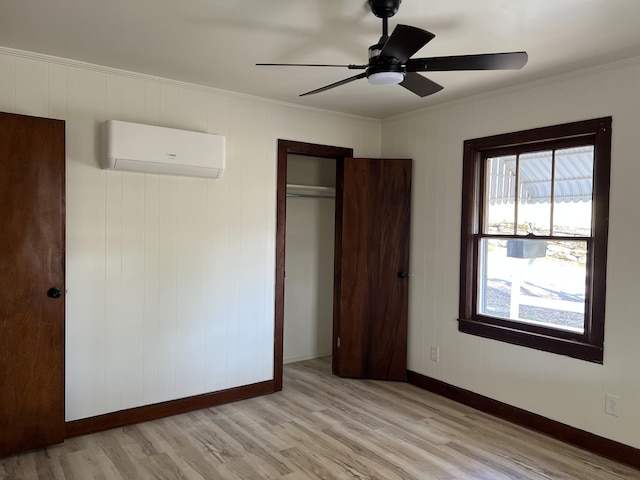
144,148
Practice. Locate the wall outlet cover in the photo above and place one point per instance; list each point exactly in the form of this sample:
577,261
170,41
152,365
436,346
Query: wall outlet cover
612,405
435,354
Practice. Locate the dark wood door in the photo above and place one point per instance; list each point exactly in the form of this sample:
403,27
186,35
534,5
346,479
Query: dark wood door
373,209
32,159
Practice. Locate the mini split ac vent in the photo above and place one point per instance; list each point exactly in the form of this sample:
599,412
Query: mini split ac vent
135,147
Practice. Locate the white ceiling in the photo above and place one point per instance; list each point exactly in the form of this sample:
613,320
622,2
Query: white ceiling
217,42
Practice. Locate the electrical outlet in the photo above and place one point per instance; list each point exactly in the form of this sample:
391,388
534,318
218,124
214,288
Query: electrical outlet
435,354
611,405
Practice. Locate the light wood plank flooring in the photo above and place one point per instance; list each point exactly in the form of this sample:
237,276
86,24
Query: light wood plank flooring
320,427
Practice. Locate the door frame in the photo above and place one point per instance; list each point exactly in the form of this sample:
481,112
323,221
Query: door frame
286,148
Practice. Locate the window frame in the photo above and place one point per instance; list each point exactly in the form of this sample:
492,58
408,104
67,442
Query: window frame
588,346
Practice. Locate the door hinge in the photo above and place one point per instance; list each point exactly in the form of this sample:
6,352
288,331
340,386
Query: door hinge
338,342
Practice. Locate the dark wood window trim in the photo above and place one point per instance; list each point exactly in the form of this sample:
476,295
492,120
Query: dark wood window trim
587,346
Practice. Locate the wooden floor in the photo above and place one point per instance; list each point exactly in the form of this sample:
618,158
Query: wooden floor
320,427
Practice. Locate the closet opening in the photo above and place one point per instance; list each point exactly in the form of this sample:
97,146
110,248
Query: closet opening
305,252
309,258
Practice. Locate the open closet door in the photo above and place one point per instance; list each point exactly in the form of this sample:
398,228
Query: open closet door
373,205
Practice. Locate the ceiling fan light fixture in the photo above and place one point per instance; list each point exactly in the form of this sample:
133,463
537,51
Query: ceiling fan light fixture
385,78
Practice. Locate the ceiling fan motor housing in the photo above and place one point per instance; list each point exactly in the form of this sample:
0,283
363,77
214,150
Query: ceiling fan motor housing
374,52
385,63
383,70
385,67
384,8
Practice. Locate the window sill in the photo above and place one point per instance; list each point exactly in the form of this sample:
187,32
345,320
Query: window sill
571,348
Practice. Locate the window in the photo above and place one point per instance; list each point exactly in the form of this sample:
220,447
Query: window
535,210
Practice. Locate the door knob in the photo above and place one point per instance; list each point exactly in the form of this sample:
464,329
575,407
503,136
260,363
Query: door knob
54,292
401,275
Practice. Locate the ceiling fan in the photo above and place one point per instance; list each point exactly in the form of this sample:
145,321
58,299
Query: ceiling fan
390,59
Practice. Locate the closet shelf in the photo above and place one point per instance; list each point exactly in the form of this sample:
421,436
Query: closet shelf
310,191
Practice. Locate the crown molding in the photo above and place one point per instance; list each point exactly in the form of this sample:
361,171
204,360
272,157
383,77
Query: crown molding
175,83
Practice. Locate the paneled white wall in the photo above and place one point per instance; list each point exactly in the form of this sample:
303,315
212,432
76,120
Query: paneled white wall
170,279
308,302
561,388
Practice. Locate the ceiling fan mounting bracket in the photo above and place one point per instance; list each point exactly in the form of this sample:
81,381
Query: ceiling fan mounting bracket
384,8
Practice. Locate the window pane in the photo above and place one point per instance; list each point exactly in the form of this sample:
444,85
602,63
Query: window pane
534,194
573,192
500,195
533,281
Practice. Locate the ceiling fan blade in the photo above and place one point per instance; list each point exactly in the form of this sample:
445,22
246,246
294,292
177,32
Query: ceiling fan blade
337,84
486,61
420,85
350,67
405,41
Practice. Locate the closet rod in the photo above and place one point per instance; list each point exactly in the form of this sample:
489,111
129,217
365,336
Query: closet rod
307,195
310,191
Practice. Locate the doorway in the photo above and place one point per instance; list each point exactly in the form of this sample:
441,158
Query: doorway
285,149
371,262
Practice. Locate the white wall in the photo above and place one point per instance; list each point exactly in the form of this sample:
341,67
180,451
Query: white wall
170,280
309,257
561,388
